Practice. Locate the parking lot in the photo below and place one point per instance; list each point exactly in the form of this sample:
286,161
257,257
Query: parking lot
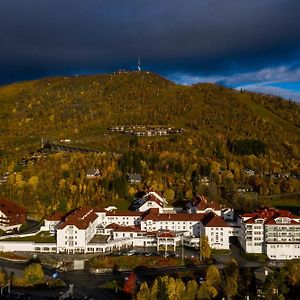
185,252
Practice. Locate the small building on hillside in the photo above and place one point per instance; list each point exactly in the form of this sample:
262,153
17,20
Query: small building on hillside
12,215
93,173
134,178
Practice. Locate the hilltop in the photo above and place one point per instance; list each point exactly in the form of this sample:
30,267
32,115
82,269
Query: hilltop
225,131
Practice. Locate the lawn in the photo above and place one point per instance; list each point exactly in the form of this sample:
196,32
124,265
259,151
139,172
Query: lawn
255,256
41,237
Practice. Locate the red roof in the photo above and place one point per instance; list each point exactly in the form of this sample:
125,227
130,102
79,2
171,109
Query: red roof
201,203
269,215
166,234
212,220
10,208
81,218
56,216
124,213
15,213
250,221
120,228
273,222
153,214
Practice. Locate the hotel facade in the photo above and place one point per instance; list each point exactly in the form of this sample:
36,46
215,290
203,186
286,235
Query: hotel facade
275,233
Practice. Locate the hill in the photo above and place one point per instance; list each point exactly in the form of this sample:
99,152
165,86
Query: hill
225,132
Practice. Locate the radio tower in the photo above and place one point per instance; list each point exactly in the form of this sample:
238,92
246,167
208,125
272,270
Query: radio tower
139,65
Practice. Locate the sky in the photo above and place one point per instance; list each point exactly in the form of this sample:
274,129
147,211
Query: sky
254,45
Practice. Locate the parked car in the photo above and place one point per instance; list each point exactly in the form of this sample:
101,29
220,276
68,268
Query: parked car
131,252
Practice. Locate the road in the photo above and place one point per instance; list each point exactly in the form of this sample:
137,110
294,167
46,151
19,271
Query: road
91,285
87,284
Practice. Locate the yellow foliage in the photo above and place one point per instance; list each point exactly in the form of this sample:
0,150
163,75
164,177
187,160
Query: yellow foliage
65,167
33,181
132,191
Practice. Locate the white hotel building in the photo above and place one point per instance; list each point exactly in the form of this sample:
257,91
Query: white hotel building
86,230
273,232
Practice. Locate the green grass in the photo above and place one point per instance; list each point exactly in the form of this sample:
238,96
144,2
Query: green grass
41,237
254,256
221,251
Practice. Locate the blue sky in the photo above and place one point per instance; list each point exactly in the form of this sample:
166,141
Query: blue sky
253,45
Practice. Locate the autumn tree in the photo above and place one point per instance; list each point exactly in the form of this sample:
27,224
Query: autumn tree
212,276
206,291
154,290
293,271
34,274
190,290
3,277
231,274
130,284
144,292
205,249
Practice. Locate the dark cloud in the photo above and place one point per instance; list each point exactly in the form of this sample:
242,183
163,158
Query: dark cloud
47,37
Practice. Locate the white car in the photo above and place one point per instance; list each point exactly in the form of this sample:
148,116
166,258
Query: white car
131,252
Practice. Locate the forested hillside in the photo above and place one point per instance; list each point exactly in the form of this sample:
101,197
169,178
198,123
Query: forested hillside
226,134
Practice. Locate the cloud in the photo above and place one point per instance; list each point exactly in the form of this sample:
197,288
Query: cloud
272,90
282,80
215,38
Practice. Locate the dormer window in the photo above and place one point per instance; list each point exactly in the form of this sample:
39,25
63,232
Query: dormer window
259,221
283,220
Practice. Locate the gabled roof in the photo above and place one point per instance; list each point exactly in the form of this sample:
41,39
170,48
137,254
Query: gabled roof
153,214
11,208
57,216
153,199
81,218
93,172
250,221
119,228
124,213
212,220
156,196
201,203
269,216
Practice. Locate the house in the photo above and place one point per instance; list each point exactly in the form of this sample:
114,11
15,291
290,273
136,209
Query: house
93,173
249,172
152,200
134,178
12,215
